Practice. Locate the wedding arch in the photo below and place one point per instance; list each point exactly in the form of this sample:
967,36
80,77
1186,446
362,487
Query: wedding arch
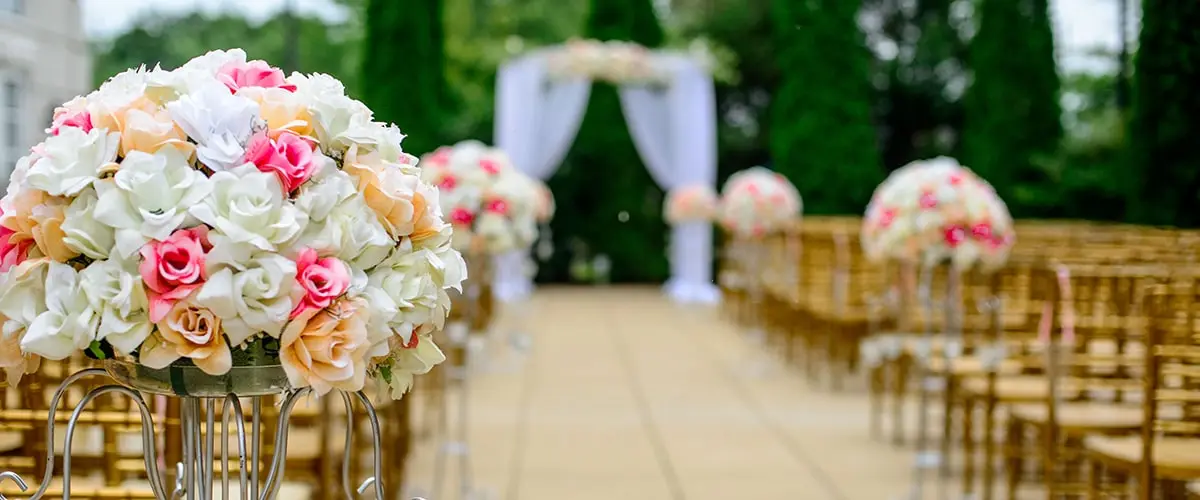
669,104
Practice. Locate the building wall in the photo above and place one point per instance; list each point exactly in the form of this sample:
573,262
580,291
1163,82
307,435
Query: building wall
44,61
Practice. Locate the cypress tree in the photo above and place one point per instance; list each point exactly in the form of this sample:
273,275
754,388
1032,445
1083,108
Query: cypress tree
614,206
822,137
403,69
1013,116
1166,115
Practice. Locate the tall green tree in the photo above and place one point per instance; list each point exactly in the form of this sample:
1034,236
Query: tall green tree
404,69
1166,115
822,137
1013,116
614,207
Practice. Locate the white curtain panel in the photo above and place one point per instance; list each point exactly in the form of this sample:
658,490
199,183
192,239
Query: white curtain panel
673,128
536,123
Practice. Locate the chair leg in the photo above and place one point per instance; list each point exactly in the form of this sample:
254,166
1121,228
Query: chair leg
1015,466
968,445
948,400
1094,479
899,389
876,392
989,446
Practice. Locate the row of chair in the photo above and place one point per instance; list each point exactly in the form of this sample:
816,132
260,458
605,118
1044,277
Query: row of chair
1079,351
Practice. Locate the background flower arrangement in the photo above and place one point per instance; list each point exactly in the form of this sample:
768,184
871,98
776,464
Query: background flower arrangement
757,201
936,210
222,215
694,203
492,206
610,61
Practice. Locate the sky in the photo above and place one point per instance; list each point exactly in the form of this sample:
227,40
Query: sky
1079,24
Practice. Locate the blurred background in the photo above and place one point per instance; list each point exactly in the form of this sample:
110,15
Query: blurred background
834,94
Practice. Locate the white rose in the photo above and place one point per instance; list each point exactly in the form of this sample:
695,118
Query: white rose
350,232
381,309
82,232
417,281
72,159
114,288
408,362
499,236
221,123
23,291
213,60
69,323
337,119
250,290
249,206
149,197
328,188
16,181
118,93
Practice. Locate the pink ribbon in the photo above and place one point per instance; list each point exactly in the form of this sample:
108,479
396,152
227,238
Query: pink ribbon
1068,309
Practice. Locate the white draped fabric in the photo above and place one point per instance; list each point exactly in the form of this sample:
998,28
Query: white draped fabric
673,128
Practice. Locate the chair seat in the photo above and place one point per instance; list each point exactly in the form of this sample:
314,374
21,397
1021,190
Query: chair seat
1175,458
1083,416
1017,389
972,365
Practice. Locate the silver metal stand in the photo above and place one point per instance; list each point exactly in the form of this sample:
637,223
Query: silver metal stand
931,457
455,442
195,477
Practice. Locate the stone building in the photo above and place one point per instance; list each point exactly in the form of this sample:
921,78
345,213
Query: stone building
44,61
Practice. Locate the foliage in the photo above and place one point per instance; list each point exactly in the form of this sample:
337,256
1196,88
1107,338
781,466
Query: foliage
171,41
822,137
1013,113
1166,115
404,58
615,207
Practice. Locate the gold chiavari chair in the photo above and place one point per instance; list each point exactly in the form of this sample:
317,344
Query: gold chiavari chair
1095,363
1165,455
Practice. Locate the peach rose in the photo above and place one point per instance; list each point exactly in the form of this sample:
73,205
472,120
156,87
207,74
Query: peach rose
34,216
149,132
327,349
282,110
399,201
113,119
188,331
15,362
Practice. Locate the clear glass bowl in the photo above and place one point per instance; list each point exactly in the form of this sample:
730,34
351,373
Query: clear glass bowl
190,381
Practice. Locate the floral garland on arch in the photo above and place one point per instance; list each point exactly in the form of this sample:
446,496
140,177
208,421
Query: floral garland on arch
223,215
937,210
694,203
611,61
756,202
492,205
544,206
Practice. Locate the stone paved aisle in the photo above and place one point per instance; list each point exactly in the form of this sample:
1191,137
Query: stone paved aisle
625,396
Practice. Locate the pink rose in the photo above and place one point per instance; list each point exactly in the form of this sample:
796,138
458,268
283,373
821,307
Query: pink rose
289,157
236,75
172,269
448,182
81,120
955,236
497,207
490,166
461,216
440,157
928,200
13,251
321,281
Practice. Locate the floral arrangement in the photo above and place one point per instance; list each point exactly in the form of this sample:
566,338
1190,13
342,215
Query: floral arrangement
757,201
223,215
610,61
694,203
544,207
937,210
491,205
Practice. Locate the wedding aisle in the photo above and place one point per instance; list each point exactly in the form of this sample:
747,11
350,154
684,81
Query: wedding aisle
627,396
